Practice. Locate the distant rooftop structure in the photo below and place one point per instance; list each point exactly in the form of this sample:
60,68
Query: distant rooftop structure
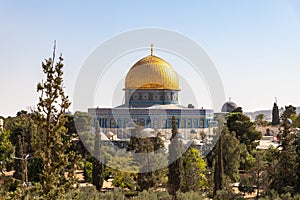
229,106
267,141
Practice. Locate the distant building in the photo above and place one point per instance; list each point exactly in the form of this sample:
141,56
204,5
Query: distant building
229,106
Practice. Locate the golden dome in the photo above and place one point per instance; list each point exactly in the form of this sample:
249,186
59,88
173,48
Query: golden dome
152,73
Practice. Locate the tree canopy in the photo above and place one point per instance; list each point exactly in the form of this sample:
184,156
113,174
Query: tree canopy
194,166
244,129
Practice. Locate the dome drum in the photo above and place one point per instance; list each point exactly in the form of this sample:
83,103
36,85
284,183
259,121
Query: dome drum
147,98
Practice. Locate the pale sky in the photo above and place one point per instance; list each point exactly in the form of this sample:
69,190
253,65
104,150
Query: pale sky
254,44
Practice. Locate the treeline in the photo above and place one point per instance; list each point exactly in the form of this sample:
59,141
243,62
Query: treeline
234,159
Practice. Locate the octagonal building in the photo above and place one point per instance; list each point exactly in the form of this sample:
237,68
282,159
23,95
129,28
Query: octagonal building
151,99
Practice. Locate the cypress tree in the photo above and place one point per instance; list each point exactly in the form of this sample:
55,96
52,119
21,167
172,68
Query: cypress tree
19,163
98,174
175,178
275,115
145,176
219,168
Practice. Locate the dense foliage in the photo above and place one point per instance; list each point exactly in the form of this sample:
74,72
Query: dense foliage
244,129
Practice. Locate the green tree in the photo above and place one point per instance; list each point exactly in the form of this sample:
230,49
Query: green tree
271,158
50,142
98,173
194,166
141,147
285,177
219,166
175,176
231,154
289,110
136,140
149,154
286,127
83,122
145,175
152,172
70,124
81,127
158,143
245,129
259,171
123,176
246,185
226,170
21,125
124,179
19,162
238,110
159,162
246,158
6,148
296,120
275,115
35,169
260,120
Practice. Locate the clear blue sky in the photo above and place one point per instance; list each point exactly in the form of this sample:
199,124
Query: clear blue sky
254,44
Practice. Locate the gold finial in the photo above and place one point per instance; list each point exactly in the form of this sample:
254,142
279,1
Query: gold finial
151,50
